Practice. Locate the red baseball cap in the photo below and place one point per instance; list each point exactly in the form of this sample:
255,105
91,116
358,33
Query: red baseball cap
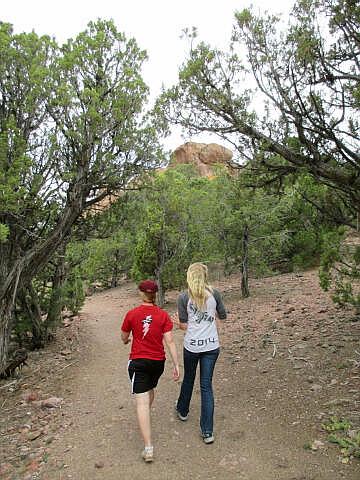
148,286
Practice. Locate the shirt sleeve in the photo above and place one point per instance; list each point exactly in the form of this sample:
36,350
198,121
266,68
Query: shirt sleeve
182,307
168,324
126,325
219,305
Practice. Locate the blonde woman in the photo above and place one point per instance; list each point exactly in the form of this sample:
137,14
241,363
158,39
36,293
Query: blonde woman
198,309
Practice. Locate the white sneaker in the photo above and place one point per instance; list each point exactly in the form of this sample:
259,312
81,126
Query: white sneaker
208,438
148,454
183,418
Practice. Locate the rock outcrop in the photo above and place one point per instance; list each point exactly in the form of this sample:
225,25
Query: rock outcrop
204,156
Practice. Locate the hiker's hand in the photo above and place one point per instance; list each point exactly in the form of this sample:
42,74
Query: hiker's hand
175,319
125,337
176,373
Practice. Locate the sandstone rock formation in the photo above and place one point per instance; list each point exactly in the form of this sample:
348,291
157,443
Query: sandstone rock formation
202,155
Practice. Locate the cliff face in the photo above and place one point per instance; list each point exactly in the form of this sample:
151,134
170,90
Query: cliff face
202,155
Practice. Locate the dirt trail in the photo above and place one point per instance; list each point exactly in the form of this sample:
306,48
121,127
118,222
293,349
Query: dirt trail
266,406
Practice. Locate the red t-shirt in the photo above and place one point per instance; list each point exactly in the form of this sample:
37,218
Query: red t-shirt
148,323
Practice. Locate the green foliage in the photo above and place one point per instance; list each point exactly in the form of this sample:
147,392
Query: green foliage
27,58
340,268
73,295
75,115
178,217
103,261
175,225
348,441
307,245
350,447
303,144
285,231
73,130
174,219
4,232
329,256
335,424
261,213
306,74
305,202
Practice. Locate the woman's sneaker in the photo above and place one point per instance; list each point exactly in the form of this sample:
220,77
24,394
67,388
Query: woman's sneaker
183,418
148,454
208,438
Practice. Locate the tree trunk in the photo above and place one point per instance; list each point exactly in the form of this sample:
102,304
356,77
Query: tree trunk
20,270
30,304
245,264
6,312
161,292
158,273
38,328
115,270
114,279
9,256
56,299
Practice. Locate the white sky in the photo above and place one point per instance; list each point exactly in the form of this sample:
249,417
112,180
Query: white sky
156,25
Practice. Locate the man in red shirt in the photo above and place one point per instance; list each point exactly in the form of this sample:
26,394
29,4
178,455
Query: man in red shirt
150,326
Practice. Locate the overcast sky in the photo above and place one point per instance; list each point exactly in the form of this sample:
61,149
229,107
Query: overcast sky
156,25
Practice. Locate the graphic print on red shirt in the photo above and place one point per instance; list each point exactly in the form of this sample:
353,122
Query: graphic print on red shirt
147,323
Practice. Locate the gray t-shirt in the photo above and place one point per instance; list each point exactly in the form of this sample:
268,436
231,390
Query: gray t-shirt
201,334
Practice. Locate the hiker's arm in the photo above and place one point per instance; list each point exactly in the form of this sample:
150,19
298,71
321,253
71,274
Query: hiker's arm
176,321
219,326
182,316
126,329
125,337
221,313
169,341
220,308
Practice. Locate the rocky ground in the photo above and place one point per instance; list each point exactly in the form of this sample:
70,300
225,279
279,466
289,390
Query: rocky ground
290,365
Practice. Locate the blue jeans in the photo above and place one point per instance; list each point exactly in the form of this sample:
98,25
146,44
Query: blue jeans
207,364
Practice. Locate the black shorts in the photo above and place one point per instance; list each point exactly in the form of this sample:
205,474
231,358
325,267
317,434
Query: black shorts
144,374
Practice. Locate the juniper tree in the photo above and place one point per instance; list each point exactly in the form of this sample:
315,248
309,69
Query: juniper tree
287,98
72,131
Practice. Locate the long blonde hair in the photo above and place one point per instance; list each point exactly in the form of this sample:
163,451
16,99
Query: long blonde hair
197,280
